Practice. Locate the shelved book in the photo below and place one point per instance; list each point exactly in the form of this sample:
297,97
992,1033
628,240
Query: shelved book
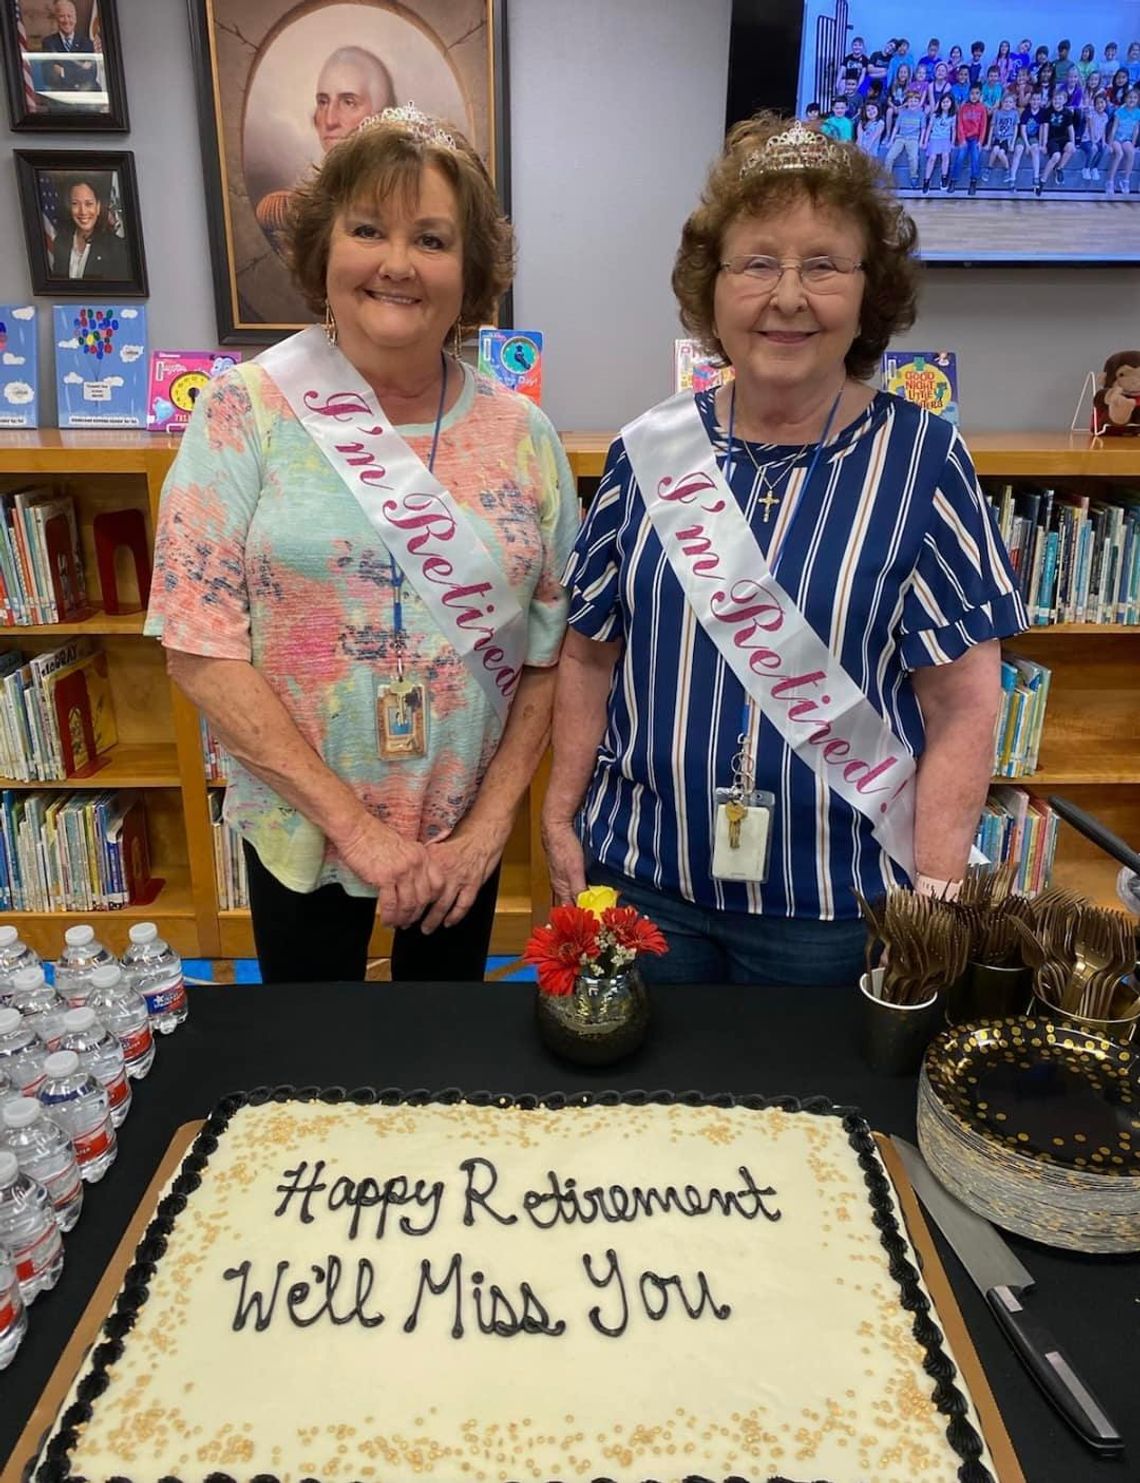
57,716
1021,720
19,367
41,564
1077,558
215,758
74,851
1017,825
230,875
694,369
928,378
100,365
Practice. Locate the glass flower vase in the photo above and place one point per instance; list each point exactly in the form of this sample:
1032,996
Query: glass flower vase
599,1021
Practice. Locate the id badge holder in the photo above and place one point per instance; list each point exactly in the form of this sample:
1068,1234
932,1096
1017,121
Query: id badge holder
742,834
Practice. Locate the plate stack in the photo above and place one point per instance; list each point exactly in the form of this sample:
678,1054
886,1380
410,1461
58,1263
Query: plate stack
1037,1127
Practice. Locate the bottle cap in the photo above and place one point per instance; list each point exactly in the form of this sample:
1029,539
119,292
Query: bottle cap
28,978
78,1019
21,1112
10,1020
61,1063
144,932
8,935
106,976
9,1168
79,936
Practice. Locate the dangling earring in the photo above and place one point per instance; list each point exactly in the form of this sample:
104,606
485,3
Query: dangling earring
330,324
457,341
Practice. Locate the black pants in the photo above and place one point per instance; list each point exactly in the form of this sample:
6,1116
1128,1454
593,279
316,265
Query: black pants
322,936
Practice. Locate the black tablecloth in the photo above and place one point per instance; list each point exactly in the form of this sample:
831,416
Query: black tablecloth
481,1037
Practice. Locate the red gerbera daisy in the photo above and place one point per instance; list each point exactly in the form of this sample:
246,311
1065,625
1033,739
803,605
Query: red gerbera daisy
631,930
557,950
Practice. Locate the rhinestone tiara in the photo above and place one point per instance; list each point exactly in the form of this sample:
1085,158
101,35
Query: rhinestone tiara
796,148
410,120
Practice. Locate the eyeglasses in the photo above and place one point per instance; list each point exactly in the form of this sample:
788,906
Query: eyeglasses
826,274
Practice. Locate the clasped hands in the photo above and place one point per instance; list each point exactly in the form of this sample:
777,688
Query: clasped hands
435,882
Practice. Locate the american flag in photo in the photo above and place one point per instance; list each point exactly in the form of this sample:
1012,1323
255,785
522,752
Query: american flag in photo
31,102
50,208
95,29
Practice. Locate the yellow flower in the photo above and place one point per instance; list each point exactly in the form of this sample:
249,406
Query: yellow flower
597,899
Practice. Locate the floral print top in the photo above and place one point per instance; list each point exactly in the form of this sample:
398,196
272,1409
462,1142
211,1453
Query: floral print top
263,555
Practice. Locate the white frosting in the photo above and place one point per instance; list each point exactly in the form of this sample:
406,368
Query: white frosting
814,1373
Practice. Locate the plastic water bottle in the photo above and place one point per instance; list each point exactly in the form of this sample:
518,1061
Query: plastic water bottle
43,1151
102,1055
22,1053
29,1233
75,1100
13,955
123,1013
154,970
13,1315
39,1003
81,955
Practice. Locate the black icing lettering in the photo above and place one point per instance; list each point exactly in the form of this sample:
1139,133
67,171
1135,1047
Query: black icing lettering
296,1186
254,1301
612,1331
653,1282
504,1320
427,1284
618,1205
473,1196
430,1197
535,1318
300,1292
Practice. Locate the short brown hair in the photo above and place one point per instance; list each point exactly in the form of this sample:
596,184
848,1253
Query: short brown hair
380,162
862,192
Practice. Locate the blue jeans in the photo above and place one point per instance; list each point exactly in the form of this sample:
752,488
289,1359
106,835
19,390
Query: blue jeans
732,947
974,150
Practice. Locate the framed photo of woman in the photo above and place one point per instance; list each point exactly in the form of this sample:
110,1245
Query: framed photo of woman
82,224
280,81
63,65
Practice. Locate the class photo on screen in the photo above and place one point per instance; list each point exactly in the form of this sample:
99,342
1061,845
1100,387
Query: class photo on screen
1011,130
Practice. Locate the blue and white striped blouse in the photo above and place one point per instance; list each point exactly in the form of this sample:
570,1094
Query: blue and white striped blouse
894,560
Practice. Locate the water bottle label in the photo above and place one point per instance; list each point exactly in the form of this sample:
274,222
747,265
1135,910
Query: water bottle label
7,1311
64,1187
31,1088
36,1258
169,998
92,1145
136,1043
117,1091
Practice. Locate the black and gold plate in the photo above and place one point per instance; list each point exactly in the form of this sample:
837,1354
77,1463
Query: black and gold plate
1056,1095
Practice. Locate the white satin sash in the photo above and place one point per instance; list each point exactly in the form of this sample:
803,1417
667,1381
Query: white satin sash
435,544
789,672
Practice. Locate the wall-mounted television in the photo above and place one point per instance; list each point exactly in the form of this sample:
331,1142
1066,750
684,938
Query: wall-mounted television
1011,129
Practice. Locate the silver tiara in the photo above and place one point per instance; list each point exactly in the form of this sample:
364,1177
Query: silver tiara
410,120
796,148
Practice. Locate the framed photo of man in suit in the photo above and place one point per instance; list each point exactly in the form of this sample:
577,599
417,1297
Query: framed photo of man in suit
280,81
63,65
81,222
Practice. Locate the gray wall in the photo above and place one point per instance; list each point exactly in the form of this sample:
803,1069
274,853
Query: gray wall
617,107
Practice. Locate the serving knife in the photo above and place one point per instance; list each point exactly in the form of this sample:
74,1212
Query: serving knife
1003,1281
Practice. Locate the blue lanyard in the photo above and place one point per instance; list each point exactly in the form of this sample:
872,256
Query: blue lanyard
397,574
746,709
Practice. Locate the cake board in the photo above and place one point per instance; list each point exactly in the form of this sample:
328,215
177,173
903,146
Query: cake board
86,1332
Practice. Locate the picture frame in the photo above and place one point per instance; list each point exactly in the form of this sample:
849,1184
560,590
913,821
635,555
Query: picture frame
82,223
257,64
63,66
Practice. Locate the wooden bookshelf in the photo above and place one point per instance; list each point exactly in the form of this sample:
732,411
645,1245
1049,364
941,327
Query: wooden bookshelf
1088,750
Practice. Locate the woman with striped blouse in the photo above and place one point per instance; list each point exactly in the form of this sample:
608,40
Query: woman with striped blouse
781,677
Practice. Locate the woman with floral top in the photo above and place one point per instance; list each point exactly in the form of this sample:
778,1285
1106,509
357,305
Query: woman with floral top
357,573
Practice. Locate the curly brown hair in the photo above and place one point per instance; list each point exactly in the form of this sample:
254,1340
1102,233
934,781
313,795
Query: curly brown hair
382,161
861,191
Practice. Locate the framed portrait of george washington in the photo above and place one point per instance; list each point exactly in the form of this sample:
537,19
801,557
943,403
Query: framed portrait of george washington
280,81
